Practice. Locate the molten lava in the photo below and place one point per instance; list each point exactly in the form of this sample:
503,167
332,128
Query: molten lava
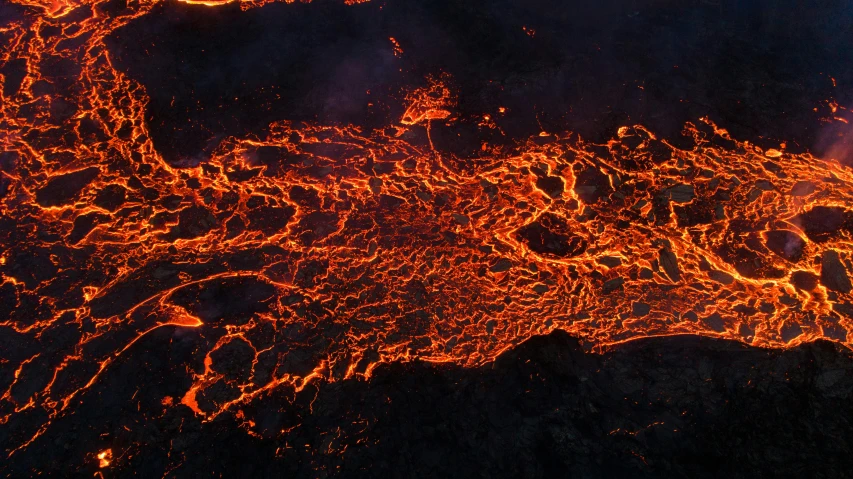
352,248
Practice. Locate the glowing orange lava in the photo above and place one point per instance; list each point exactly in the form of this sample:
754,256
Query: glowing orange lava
105,458
366,247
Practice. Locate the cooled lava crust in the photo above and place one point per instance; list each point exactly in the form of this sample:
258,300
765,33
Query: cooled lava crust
270,228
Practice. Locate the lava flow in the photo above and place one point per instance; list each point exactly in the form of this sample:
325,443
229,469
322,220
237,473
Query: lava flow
352,248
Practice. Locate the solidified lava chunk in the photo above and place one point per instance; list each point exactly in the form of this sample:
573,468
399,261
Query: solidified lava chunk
610,261
111,197
234,227
612,285
84,224
823,223
64,188
317,226
502,265
803,188
750,264
640,309
270,219
591,185
721,277
552,186
194,221
461,219
171,202
549,235
746,251
696,213
681,193
14,72
4,186
715,322
804,280
8,160
233,359
786,244
8,299
390,202
234,300
305,196
34,267
833,273
669,262
790,331
240,175
274,158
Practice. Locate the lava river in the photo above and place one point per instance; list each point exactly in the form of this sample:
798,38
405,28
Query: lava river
351,248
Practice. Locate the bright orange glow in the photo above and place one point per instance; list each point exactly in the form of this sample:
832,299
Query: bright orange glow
427,104
105,458
396,45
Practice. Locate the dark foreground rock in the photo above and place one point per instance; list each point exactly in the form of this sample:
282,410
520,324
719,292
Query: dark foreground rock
666,407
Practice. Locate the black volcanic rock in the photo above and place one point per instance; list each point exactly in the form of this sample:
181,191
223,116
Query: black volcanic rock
786,244
553,186
5,183
803,188
193,221
111,197
591,185
833,273
84,224
666,407
824,223
640,309
804,280
231,300
233,359
669,263
501,265
590,68
612,285
680,193
549,235
64,188
721,277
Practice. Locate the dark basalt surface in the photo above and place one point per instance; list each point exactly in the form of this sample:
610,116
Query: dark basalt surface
760,67
665,407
